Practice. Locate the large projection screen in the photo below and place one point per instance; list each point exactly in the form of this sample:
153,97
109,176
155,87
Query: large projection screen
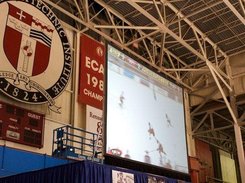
144,115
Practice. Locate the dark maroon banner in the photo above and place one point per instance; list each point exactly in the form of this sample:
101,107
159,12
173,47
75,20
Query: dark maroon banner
21,125
92,59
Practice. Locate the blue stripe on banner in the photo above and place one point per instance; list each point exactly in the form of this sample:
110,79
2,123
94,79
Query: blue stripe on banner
128,74
41,36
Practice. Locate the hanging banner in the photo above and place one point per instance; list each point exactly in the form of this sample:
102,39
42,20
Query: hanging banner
92,59
94,124
35,53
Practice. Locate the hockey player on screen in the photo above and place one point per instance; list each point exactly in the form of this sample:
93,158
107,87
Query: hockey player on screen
121,99
154,93
151,131
160,149
147,158
168,120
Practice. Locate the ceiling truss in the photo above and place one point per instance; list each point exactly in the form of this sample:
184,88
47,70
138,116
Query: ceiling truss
185,41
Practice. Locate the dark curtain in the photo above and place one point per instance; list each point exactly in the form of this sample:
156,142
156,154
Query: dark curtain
79,172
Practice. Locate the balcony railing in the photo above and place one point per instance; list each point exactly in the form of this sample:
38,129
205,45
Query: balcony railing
215,180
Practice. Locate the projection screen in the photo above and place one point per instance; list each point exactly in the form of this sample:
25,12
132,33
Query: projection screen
144,115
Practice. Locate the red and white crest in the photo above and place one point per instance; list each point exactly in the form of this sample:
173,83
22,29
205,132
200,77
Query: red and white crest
27,42
36,60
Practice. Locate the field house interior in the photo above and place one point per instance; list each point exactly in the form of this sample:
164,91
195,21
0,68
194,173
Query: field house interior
190,54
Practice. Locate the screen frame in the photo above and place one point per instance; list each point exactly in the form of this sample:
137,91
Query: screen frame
140,166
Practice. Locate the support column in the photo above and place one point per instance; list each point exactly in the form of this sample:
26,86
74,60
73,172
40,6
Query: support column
189,133
193,161
79,109
237,128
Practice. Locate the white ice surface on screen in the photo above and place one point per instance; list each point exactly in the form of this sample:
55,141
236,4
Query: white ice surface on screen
142,108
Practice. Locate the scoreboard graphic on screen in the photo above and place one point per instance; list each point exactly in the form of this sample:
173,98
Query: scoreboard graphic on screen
21,125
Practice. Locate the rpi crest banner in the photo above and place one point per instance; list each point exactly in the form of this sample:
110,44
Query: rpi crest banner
92,59
35,55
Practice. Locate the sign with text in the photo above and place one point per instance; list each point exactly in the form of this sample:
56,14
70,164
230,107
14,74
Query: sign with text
36,60
92,59
94,124
21,125
121,177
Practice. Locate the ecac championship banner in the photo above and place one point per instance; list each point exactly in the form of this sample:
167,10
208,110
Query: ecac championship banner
92,59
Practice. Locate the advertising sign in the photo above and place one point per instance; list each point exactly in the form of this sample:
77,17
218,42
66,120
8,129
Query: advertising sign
122,177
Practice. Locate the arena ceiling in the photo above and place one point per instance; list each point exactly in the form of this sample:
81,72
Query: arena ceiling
188,41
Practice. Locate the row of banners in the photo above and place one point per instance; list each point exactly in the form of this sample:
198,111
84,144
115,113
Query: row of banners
92,59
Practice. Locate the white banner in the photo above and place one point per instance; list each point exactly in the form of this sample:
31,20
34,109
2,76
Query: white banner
94,124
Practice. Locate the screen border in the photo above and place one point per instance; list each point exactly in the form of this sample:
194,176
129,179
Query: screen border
127,163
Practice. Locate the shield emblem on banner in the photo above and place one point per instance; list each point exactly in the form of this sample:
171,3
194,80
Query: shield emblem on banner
27,42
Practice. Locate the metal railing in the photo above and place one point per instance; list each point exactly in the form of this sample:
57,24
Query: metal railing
74,143
214,180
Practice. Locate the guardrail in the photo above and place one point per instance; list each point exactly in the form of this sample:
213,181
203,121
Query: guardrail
215,180
75,143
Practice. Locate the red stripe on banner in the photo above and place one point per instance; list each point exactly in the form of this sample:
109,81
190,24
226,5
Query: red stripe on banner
92,59
20,14
12,40
41,58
